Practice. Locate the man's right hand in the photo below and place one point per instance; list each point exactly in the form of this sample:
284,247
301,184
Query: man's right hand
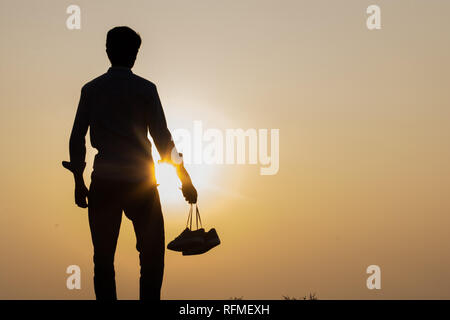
81,194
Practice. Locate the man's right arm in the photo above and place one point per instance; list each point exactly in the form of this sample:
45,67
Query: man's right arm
77,143
77,150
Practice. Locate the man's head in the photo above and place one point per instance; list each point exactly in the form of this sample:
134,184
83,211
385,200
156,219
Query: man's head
122,46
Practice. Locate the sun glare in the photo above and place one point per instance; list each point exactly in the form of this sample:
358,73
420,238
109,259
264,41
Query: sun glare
168,181
169,184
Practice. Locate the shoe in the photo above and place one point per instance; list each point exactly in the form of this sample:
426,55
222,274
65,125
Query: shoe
187,239
211,240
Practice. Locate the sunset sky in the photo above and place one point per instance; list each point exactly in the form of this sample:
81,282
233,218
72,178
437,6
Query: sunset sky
364,123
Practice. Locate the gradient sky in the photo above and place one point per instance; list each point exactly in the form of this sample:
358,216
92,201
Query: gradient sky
364,123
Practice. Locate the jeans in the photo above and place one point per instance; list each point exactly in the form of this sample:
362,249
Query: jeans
140,203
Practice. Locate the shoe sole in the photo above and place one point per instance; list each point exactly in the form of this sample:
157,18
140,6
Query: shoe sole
208,246
186,244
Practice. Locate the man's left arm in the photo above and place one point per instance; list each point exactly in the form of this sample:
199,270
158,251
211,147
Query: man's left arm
166,147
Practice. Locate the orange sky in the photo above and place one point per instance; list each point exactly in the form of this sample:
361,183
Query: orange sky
364,125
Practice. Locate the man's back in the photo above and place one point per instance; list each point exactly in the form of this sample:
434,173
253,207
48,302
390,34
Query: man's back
121,108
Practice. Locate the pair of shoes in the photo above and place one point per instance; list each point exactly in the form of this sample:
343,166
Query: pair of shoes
211,240
192,242
187,239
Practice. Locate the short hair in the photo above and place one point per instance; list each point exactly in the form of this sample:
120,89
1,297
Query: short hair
122,45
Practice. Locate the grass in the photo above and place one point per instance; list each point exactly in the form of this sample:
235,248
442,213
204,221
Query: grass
310,296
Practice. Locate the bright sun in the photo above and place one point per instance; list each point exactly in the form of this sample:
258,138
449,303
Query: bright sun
168,181
166,177
169,184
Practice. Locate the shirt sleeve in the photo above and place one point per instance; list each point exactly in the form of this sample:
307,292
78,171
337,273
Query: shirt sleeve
157,126
77,144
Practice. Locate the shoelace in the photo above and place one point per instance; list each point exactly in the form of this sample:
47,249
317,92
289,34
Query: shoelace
197,217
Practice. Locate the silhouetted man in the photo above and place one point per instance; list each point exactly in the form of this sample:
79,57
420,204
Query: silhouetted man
121,108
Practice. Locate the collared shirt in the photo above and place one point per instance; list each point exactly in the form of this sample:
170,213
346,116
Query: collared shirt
120,108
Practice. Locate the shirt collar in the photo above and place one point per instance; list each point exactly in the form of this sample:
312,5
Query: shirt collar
119,70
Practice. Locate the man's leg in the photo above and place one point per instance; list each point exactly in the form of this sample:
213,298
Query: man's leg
105,215
144,210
